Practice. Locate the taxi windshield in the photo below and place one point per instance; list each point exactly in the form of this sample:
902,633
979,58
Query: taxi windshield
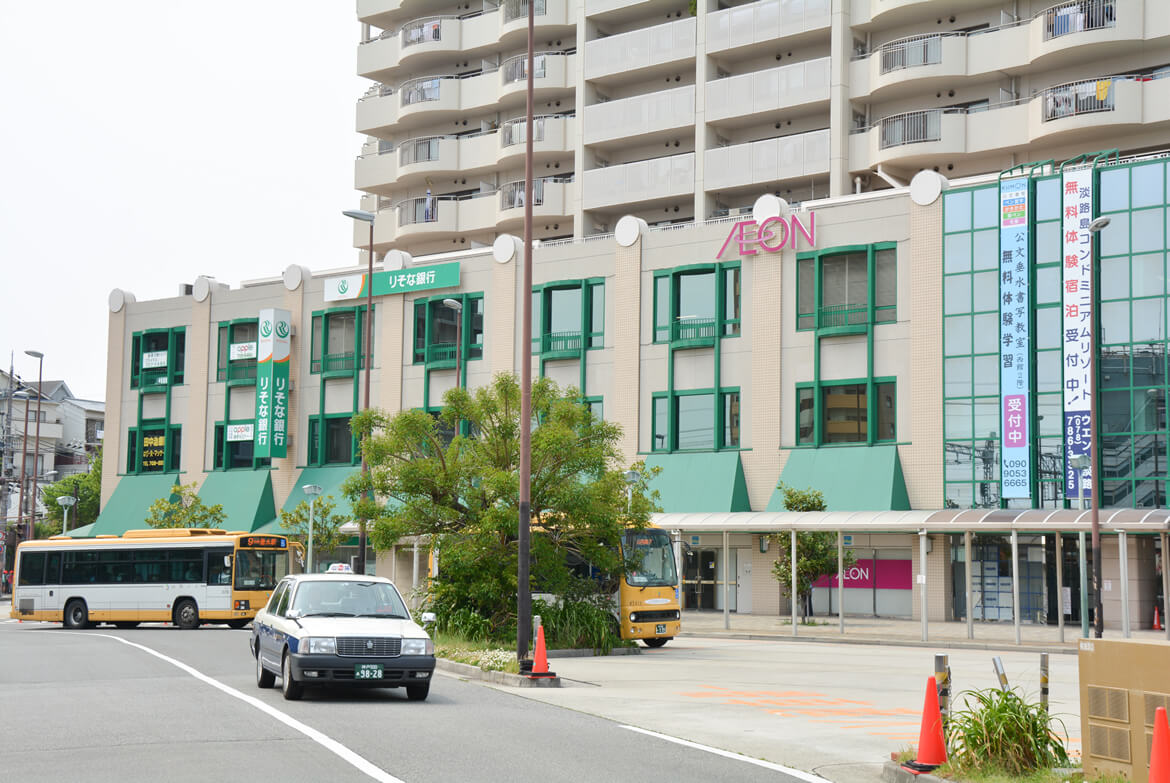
649,559
349,598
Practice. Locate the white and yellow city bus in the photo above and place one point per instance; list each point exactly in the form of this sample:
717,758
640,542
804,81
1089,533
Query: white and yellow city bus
183,576
648,600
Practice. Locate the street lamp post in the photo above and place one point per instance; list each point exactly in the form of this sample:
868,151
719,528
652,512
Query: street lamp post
366,217
1094,468
457,306
40,357
631,477
23,462
65,502
312,490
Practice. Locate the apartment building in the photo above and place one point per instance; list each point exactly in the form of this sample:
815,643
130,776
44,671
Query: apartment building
682,110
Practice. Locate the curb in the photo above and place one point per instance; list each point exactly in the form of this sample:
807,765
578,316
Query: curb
893,772
591,654
498,678
942,643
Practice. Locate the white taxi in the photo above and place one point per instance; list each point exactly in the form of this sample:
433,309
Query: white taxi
341,630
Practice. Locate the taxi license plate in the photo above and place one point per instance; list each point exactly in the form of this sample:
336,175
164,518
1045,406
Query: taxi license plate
660,628
367,671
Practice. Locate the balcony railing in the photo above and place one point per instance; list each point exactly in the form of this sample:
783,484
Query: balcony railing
152,376
441,352
515,9
241,370
420,90
1087,97
418,210
913,127
842,315
418,150
423,30
516,68
512,194
911,52
514,131
556,342
693,329
332,362
1078,17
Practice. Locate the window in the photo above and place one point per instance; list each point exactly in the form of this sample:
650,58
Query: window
237,351
235,454
332,444
154,447
834,287
438,327
338,341
697,303
595,405
694,421
660,430
691,421
568,317
856,412
730,420
157,358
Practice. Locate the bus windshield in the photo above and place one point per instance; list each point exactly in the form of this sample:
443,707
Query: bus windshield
260,569
652,559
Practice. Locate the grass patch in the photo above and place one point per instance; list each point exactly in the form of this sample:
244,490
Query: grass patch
485,655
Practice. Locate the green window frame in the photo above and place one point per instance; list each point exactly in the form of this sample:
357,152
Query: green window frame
819,405
238,371
337,341
327,444
157,379
172,446
236,455
675,291
433,319
596,406
585,326
847,288
669,432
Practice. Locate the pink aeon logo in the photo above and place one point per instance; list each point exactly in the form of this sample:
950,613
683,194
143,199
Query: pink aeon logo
773,234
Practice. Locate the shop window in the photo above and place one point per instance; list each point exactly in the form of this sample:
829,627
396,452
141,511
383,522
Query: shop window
330,441
690,421
438,327
237,351
338,340
157,358
154,448
697,304
568,317
855,412
834,288
232,453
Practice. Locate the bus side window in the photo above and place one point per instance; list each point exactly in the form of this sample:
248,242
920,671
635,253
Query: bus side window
32,569
53,569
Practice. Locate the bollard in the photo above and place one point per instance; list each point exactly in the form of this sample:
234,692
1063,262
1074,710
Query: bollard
942,676
1000,673
1044,680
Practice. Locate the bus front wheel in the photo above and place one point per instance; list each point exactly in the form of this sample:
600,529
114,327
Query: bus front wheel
655,642
76,614
187,615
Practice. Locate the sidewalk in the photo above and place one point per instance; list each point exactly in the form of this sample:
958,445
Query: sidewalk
908,633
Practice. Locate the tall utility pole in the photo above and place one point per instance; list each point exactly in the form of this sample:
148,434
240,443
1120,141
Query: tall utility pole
40,357
523,593
6,463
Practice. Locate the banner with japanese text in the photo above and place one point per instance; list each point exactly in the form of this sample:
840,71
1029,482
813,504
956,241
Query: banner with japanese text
1077,325
423,278
1014,339
271,439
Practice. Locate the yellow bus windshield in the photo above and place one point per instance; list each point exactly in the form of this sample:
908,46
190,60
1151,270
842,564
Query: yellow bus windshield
651,559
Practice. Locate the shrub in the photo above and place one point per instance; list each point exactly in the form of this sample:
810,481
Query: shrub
1000,730
572,625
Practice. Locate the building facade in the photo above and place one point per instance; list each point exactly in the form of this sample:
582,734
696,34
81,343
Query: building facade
678,111
874,346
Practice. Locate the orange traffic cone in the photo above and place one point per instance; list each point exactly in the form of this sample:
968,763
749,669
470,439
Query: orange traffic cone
932,748
1157,619
540,663
1160,749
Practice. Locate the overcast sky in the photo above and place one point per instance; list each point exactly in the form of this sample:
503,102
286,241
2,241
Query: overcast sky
146,142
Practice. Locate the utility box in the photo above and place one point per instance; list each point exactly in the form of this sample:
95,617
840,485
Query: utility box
1122,683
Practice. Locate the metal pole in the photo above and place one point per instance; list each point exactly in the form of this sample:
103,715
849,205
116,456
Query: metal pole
1016,583
840,580
369,330
414,573
65,521
312,500
1094,461
32,528
1083,561
922,581
792,589
23,467
1044,679
6,453
726,582
523,592
1123,554
942,679
459,348
1060,584
967,568
1165,585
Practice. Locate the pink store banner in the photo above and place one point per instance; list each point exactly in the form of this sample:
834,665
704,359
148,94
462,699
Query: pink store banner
880,574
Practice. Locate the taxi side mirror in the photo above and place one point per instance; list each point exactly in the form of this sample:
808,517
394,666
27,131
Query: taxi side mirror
293,614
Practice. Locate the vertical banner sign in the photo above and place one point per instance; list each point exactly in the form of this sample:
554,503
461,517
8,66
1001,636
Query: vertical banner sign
272,384
1077,325
1014,338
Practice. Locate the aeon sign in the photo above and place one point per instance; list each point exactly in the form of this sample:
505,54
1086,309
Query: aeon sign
771,235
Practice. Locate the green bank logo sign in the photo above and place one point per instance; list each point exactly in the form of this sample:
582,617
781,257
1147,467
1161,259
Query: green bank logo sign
401,281
266,329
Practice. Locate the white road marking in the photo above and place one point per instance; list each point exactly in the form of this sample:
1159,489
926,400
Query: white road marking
796,773
323,740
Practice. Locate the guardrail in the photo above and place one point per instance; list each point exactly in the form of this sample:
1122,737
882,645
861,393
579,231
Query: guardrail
515,9
692,329
423,30
1077,17
912,52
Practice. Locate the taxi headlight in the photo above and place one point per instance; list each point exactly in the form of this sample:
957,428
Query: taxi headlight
325,645
418,647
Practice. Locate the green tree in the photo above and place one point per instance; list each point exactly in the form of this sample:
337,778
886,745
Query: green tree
86,487
461,492
816,553
327,534
186,510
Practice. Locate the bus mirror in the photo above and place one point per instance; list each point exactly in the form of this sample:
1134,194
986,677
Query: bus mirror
227,561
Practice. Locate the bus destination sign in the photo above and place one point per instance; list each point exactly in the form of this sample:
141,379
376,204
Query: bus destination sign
271,542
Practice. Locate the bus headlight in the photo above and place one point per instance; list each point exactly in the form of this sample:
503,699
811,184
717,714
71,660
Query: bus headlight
418,647
325,645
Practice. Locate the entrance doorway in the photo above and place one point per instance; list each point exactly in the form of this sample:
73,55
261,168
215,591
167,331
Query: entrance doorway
703,579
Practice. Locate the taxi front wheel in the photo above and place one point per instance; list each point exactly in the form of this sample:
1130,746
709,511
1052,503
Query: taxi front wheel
291,689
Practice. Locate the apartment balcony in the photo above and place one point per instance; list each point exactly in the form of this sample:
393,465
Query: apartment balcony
644,116
797,89
551,200
1079,30
549,18
552,74
912,65
641,55
898,12
434,99
377,111
1093,107
552,137
911,138
765,24
645,180
766,161
384,13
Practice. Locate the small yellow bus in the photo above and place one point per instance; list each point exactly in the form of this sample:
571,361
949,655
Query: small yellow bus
648,600
185,576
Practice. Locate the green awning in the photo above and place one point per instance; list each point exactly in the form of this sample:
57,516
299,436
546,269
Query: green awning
329,479
129,506
246,496
852,478
85,531
707,481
